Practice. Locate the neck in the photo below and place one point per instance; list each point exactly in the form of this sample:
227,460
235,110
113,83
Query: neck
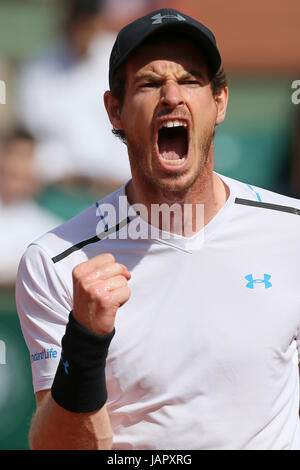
184,212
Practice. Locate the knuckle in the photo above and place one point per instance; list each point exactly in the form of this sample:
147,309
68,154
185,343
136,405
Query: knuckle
122,280
128,291
120,267
105,300
109,257
96,290
125,291
100,295
76,272
81,284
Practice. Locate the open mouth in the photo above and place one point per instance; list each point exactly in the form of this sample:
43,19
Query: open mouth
173,142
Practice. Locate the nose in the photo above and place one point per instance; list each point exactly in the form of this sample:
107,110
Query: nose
171,94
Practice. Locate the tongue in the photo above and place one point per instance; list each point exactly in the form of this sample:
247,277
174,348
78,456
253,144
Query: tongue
172,148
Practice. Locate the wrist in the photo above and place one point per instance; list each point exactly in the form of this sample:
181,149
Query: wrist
79,384
104,327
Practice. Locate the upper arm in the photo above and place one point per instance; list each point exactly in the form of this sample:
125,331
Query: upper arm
43,306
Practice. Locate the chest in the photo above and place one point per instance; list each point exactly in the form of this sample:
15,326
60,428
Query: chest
220,312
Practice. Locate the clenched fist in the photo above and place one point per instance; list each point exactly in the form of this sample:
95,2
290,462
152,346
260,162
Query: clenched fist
100,288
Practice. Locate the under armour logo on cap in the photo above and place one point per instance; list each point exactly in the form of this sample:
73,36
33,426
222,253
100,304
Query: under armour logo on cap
159,18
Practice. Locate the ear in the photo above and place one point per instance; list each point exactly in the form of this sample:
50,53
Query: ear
221,102
113,110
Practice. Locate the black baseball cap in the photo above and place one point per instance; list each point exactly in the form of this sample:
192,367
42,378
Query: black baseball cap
134,34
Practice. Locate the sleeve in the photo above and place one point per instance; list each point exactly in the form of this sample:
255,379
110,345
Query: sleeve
43,303
297,338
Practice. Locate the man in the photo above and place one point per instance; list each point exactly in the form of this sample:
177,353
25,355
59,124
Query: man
201,352
19,188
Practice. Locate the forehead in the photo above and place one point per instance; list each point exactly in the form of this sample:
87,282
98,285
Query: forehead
162,54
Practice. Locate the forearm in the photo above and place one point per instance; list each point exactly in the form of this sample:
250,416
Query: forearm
53,428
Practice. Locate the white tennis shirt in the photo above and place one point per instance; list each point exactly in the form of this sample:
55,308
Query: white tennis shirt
205,351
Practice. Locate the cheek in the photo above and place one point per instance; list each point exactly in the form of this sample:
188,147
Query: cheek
136,116
206,113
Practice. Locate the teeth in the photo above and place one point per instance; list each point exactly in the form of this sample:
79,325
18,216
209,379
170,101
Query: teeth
174,162
175,123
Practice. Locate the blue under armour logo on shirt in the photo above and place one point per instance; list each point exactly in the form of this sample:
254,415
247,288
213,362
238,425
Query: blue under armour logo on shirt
264,281
65,363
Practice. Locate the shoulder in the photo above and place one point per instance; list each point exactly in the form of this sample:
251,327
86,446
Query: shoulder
263,214
41,275
84,228
247,194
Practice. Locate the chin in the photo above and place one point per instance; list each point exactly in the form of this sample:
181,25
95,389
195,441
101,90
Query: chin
176,183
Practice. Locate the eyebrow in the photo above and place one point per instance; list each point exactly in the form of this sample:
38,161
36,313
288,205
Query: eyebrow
191,73
154,77
151,76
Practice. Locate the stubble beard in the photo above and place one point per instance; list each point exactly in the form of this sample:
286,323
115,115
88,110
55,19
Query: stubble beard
172,183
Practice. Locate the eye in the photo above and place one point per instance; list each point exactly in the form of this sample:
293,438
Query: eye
149,85
191,81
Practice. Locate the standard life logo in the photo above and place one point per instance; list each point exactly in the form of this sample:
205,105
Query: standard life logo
44,354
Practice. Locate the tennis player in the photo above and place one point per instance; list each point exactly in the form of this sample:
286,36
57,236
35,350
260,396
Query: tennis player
171,339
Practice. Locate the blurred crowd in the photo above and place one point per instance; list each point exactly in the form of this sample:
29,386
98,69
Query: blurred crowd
61,136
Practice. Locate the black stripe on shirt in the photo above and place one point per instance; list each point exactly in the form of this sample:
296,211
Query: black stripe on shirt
89,241
267,205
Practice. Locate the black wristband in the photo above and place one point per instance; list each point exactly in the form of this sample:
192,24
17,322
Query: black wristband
79,384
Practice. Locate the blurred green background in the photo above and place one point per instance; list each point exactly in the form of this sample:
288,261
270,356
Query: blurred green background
25,28
256,144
